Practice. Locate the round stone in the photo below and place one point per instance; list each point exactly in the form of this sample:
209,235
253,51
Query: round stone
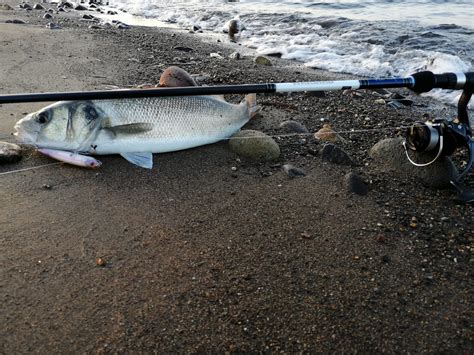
254,145
9,153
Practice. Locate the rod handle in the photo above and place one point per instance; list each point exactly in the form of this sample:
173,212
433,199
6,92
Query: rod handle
426,81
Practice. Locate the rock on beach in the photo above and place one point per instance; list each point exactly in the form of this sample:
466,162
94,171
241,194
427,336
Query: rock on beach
9,153
389,156
254,145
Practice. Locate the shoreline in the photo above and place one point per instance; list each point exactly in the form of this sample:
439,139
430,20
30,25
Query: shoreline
209,252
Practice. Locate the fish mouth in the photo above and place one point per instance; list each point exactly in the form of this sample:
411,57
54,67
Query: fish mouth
24,132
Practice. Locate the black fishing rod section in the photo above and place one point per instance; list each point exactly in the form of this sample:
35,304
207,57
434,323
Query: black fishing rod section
419,82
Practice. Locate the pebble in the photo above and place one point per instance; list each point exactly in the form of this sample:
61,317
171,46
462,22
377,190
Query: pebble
53,26
101,262
183,49
336,155
389,156
176,77
66,4
293,127
315,93
17,21
379,102
122,26
46,187
9,153
261,60
235,56
354,183
215,55
395,104
326,134
292,171
255,145
25,6
80,7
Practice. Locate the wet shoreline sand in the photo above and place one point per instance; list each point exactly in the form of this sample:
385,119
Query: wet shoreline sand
203,257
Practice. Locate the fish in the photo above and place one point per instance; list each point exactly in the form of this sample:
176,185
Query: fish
71,158
135,128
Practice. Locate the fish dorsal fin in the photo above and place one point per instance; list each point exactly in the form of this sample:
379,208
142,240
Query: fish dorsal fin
142,159
128,128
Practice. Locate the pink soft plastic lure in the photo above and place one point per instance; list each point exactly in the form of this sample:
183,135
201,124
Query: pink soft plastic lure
72,158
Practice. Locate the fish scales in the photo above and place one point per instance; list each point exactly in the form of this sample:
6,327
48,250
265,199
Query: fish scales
191,121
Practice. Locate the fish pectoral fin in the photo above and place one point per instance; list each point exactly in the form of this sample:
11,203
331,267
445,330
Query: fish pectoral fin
142,159
129,128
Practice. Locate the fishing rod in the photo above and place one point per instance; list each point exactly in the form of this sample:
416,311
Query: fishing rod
441,136
419,82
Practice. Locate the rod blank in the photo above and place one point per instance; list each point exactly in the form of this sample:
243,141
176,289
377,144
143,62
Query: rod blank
420,82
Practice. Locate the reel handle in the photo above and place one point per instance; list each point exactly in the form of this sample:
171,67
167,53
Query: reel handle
426,81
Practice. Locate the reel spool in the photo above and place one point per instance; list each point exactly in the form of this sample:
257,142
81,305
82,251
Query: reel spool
445,137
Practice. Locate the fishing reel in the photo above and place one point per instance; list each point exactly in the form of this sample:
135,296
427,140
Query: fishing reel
445,137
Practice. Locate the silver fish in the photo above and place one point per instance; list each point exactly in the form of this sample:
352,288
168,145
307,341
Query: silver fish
134,128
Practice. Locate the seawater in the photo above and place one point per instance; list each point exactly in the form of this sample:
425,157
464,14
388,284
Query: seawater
370,38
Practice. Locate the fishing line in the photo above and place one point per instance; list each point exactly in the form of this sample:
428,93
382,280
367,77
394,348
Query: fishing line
28,169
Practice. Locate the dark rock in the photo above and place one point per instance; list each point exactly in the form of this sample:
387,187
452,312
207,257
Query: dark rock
183,49
110,12
16,21
61,9
47,16
261,60
53,26
122,26
293,127
88,17
95,27
292,171
66,4
389,156
336,155
405,102
315,94
395,104
39,7
355,184
80,7
233,27
25,6
255,145
9,153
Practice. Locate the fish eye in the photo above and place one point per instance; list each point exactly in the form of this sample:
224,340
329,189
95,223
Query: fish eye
42,117
91,113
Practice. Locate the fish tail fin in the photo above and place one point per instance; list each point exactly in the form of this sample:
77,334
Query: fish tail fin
251,100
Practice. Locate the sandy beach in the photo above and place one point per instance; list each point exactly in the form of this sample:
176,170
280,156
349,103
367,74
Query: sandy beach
209,252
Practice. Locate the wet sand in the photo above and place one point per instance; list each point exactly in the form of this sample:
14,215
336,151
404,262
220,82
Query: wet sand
202,258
